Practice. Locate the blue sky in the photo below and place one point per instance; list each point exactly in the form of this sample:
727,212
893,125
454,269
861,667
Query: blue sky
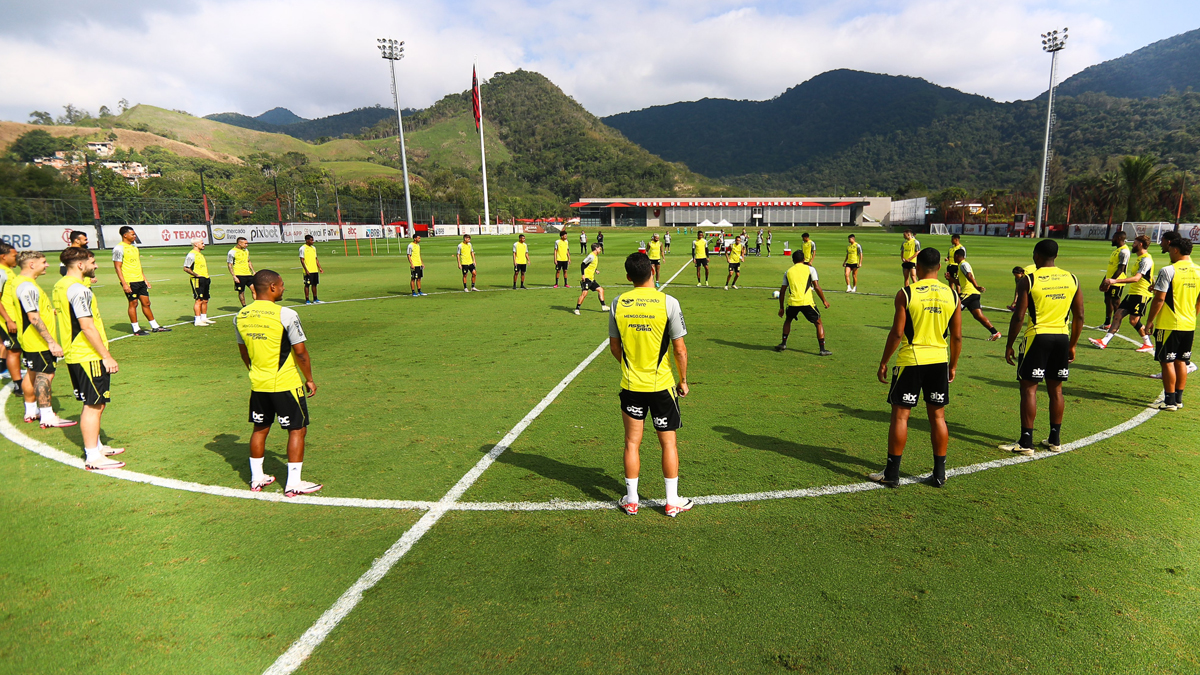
319,58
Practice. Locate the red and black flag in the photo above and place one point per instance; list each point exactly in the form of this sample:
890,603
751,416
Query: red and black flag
475,98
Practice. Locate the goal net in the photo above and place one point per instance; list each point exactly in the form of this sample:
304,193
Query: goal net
938,228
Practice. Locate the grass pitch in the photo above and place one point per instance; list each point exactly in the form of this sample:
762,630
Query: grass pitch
1083,562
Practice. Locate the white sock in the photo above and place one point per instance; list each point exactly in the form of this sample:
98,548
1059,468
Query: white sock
153,324
631,490
1107,338
135,327
293,474
1147,341
31,409
199,320
94,454
672,490
204,316
47,413
256,472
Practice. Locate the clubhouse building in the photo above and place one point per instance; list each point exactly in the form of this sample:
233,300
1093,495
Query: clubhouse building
750,212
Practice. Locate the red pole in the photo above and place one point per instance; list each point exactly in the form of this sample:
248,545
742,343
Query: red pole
95,206
345,246
1178,211
1070,200
206,218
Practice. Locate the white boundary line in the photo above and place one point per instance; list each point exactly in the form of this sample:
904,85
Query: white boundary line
302,648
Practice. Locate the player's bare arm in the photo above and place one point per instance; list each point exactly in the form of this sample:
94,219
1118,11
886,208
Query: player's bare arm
955,340
971,278
88,327
782,297
1018,318
35,320
1076,320
304,363
820,293
121,275
681,358
8,322
894,336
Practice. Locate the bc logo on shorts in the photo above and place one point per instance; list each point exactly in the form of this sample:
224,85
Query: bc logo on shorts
635,410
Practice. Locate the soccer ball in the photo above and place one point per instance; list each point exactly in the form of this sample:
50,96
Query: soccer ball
775,294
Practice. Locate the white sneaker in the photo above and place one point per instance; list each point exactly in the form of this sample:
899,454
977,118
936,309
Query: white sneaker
735,287
302,488
109,451
258,485
698,284
576,312
1164,406
604,308
1050,446
102,464
676,509
1016,448
726,288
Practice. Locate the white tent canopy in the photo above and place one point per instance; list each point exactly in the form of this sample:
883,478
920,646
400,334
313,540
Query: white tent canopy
705,223
724,224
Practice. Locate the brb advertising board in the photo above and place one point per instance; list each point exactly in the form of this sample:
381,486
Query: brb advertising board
295,232
44,237
362,232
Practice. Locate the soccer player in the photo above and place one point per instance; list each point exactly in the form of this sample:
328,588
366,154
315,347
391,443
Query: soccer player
600,240
583,242
1050,295
809,248
667,242
643,322
85,351
196,267
416,267
311,265
562,260
1118,260
799,282
9,312
39,348
520,260
952,266
768,243
926,312
853,261
240,268
587,270
655,253
465,255
908,257
271,342
733,256
77,239
700,256
1173,319
127,260
1137,299
972,292
1164,242
758,243
1018,274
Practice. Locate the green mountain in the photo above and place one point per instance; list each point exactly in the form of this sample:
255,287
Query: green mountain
284,121
1151,71
280,117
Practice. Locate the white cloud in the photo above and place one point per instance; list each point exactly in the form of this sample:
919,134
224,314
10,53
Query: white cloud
319,58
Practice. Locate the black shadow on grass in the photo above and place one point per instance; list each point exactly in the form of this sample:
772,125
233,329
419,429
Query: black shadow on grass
582,308
827,458
920,423
743,345
231,308
237,455
592,481
1068,391
1105,370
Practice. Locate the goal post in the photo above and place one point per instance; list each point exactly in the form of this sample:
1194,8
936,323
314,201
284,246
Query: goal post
938,228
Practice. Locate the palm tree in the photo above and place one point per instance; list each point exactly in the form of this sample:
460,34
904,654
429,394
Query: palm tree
1141,178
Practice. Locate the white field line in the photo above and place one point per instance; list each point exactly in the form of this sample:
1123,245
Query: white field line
302,648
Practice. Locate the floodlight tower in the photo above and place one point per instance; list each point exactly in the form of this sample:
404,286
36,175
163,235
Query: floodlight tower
1052,42
393,51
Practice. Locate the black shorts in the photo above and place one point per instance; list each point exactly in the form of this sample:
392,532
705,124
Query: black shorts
909,381
520,268
38,362
908,266
242,281
810,312
952,272
656,261
200,288
563,265
1173,345
971,302
312,278
662,407
467,268
1044,357
1114,293
1134,305
735,268
852,266
701,262
137,288
9,341
589,285
417,272
290,406
90,380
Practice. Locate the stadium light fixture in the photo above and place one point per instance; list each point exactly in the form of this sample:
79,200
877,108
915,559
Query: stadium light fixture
393,51
1053,43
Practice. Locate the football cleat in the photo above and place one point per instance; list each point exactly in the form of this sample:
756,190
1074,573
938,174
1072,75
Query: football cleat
1098,343
474,289
1016,448
604,308
576,312
466,290
309,302
414,294
109,451
824,352
676,509
726,288
995,336
422,293
57,423
1166,406
937,481
258,485
1052,447
141,332
1104,327
880,478
302,488
160,329
35,418
102,464
698,284
781,346
1145,349
555,285
627,506
735,287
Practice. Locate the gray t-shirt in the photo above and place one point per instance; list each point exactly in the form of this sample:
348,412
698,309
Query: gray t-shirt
189,261
291,326
1166,276
676,328
119,254
29,294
